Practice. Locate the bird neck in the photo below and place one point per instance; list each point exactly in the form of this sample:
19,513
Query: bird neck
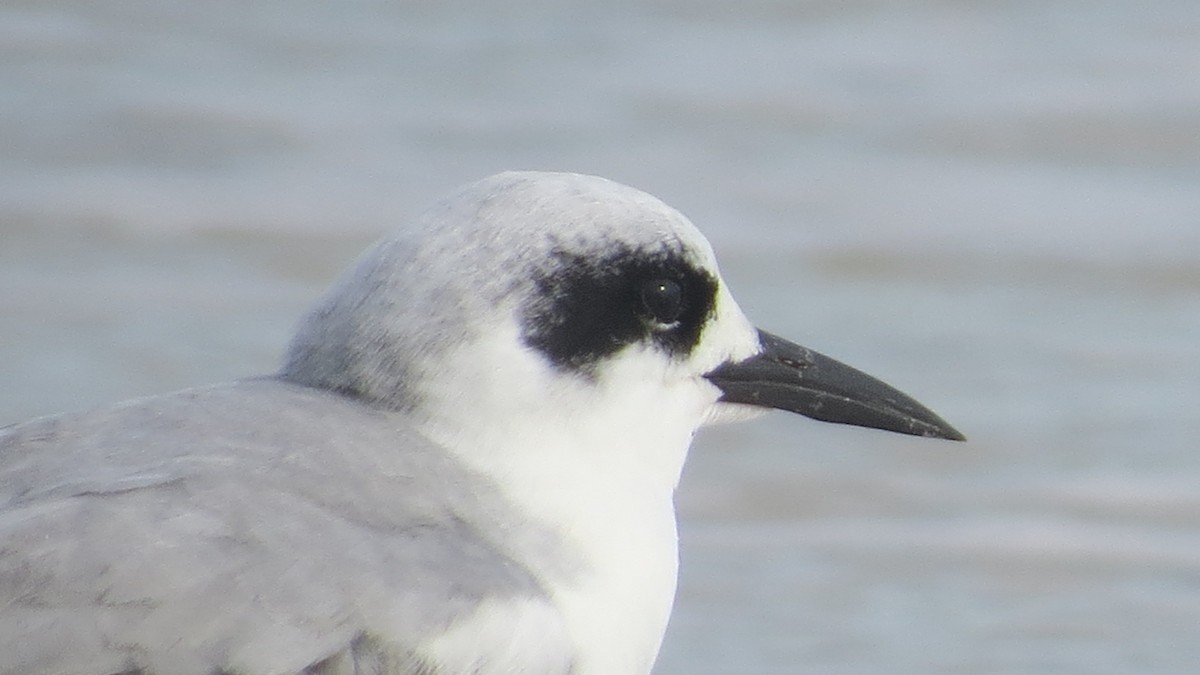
601,470
617,514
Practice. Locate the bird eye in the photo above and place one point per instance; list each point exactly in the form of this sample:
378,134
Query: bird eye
662,300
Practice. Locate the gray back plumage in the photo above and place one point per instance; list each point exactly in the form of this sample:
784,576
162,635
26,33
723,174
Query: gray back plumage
256,527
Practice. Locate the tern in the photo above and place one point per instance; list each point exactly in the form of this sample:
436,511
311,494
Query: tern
466,464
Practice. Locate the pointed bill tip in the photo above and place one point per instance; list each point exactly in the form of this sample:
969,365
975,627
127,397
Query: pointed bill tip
789,377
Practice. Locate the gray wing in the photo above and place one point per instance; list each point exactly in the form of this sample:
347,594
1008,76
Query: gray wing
257,527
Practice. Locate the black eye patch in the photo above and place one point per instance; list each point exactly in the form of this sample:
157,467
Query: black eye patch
585,308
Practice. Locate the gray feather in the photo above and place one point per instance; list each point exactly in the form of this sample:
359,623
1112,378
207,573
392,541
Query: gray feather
181,534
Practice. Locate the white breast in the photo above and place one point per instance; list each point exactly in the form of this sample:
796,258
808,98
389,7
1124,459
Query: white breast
594,461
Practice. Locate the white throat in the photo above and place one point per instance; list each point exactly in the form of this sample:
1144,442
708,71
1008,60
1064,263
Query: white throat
597,467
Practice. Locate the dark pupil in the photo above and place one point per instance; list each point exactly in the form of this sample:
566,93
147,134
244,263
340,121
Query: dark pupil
663,300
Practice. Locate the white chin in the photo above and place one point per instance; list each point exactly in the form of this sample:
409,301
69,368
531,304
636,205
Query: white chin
724,413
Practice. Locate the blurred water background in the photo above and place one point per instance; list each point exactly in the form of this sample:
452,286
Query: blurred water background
993,205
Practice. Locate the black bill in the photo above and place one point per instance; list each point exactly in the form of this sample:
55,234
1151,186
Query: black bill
790,377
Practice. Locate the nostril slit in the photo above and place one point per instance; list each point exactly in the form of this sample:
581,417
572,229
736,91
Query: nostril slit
793,363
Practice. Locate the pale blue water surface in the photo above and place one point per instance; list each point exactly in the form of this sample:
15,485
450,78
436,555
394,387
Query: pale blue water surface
993,205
